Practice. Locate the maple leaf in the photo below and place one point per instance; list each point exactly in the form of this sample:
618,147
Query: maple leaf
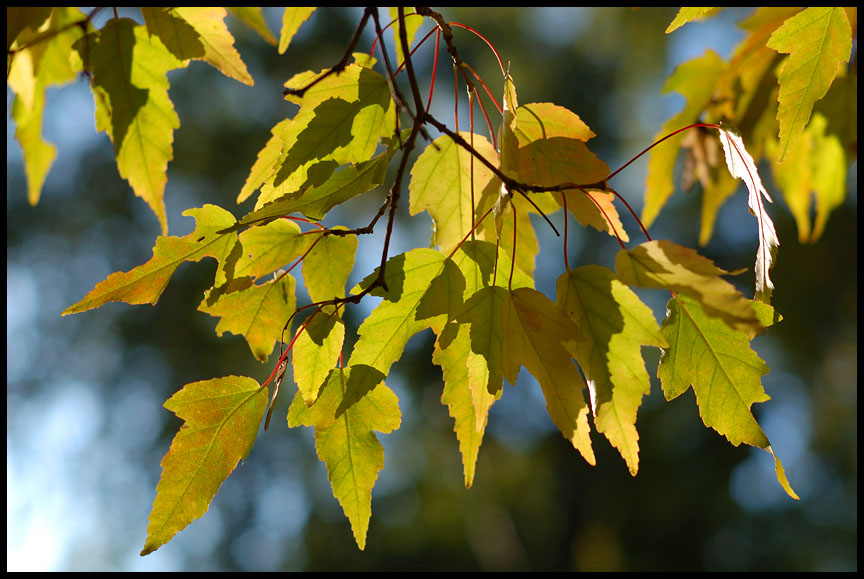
256,312
665,265
689,80
445,180
221,417
722,369
292,18
269,247
316,351
615,324
198,33
352,404
32,70
254,19
818,40
145,283
128,68
741,165
689,14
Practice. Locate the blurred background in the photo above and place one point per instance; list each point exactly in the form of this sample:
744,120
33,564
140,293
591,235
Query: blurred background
86,429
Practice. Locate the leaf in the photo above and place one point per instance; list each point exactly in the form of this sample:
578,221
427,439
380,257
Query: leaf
316,352
254,19
292,19
818,41
741,165
508,153
815,170
266,163
344,438
540,336
381,338
341,120
724,372
221,419
691,79
441,183
412,24
29,72
128,68
327,266
615,324
145,283
689,14
666,265
198,33
315,202
269,247
256,312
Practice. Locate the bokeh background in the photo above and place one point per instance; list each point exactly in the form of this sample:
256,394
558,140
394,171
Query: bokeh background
86,429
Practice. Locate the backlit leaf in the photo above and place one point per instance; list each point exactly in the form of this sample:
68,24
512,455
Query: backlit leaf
666,265
316,352
144,284
615,324
128,67
689,14
221,417
818,41
198,33
725,373
292,19
270,247
344,438
254,19
256,312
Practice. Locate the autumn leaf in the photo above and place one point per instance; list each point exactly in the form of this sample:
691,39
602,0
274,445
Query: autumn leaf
254,19
30,72
615,324
665,265
256,312
818,40
344,436
292,19
269,247
145,283
689,14
741,165
724,372
198,33
221,419
316,352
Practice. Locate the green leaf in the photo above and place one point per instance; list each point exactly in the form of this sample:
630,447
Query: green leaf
341,120
665,265
128,68
441,183
412,24
198,33
316,352
221,417
689,14
292,19
256,312
266,163
344,438
328,264
30,71
615,324
724,372
818,41
315,202
269,247
696,80
145,283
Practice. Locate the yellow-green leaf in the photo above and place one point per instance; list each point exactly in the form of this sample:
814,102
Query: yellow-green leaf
444,181
725,373
818,41
221,419
316,352
128,68
688,14
615,324
696,80
254,19
145,283
412,23
665,265
256,312
292,19
328,264
198,33
270,247
344,438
